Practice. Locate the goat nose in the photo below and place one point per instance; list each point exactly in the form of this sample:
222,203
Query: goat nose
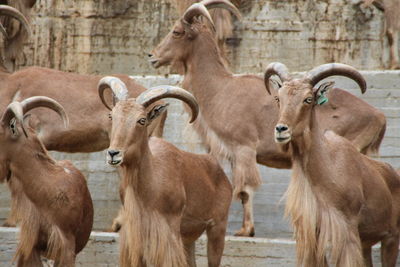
281,128
112,152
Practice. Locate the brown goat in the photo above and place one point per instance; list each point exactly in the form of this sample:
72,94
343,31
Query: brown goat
89,126
222,19
391,9
340,201
56,209
171,196
232,119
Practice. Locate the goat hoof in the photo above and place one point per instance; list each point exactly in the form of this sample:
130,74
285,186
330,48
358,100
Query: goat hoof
115,227
246,232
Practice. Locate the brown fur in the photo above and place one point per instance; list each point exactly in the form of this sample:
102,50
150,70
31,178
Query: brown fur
89,122
391,9
171,196
238,117
159,246
54,204
340,201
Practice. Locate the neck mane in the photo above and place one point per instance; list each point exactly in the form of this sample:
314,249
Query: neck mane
318,225
146,236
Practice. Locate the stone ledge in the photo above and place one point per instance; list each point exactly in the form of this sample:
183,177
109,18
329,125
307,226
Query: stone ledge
102,250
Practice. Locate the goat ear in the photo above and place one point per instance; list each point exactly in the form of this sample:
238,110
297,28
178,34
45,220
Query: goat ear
190,31
156,111
13,128
321,91
274,83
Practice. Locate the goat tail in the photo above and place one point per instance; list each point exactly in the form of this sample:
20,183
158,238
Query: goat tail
373,148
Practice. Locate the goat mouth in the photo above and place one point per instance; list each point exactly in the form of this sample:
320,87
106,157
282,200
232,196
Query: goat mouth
114,162
154,62
282,140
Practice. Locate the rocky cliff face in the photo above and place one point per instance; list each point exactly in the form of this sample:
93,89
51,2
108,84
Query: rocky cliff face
112,36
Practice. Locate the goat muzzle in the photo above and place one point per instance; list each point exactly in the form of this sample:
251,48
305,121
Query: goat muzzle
114,157
282,134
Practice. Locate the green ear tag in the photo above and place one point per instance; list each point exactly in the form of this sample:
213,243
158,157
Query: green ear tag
322,100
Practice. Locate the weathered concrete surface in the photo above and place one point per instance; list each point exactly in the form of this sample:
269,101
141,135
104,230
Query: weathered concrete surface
102,250
113,36
383,92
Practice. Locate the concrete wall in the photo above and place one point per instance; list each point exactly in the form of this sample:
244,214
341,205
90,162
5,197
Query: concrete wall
383,92
106,37
102,251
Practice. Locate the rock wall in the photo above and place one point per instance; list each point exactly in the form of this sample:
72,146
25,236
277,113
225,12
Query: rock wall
106,36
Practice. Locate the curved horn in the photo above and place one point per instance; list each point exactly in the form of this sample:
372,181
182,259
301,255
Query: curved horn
118,88
13,110
225,4
47,102
196,10
276,68
15,13
163,91
323,71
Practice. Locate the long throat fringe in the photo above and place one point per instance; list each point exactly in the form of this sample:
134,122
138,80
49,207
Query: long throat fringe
146,237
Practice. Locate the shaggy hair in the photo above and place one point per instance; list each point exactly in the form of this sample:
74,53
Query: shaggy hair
33,225
146,237
318,228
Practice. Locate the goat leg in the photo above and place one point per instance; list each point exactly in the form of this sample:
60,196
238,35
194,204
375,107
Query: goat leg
390,250
190,253
393,40
248,216
215,243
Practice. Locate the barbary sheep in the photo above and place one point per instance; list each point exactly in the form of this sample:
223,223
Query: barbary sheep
55,208
171,196
340,201
232,120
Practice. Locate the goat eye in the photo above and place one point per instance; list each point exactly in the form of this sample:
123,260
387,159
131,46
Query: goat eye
308,100
142,121
176,33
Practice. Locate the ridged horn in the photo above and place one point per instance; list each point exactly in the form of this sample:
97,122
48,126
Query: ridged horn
13,110
118,88
276,68
164,91
195,10
225,4
46,102
15,13
326,70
